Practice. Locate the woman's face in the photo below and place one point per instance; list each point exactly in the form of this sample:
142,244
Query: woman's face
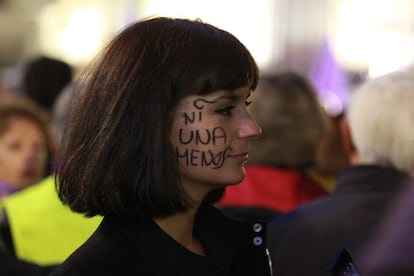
211,135
23,153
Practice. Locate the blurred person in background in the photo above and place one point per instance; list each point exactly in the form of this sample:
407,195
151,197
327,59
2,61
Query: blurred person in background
35,226
44,78
390,251
4,90
24,141
379,141
332,156
294,124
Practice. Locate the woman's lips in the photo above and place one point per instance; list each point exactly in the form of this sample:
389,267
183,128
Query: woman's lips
240,156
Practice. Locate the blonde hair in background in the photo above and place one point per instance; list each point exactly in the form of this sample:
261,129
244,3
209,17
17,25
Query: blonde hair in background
381,119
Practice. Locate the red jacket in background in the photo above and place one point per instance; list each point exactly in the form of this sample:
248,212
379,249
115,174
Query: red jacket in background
280,190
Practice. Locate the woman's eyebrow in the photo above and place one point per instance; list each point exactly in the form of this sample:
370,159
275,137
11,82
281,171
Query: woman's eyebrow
229,97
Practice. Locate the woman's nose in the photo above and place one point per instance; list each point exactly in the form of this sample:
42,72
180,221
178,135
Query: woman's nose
250,129
32,154
29,155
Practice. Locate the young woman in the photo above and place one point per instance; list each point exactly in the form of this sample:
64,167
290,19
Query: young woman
161,126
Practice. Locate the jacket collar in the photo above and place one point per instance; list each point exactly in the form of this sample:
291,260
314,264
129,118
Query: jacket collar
371,178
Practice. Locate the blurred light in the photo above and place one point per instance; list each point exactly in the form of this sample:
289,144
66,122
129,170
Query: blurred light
82,34
71,30
375,34
332,104
394,51
252,22
329,80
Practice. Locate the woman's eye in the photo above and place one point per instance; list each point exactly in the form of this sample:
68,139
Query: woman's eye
226,111
14,146
248,103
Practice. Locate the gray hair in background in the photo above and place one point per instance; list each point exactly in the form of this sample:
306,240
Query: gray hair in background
61,110
381,119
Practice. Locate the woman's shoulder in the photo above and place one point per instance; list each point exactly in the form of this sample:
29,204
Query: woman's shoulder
111,249
245,226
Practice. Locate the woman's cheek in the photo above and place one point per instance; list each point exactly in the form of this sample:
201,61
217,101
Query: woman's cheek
205,147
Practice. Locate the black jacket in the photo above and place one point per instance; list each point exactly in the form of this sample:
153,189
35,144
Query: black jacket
304,241
142,248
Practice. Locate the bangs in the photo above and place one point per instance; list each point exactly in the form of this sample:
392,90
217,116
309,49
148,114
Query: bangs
213,60
225,70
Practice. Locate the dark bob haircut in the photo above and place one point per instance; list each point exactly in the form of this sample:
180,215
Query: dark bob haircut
117,159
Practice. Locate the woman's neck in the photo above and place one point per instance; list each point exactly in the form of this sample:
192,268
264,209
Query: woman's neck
180,227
